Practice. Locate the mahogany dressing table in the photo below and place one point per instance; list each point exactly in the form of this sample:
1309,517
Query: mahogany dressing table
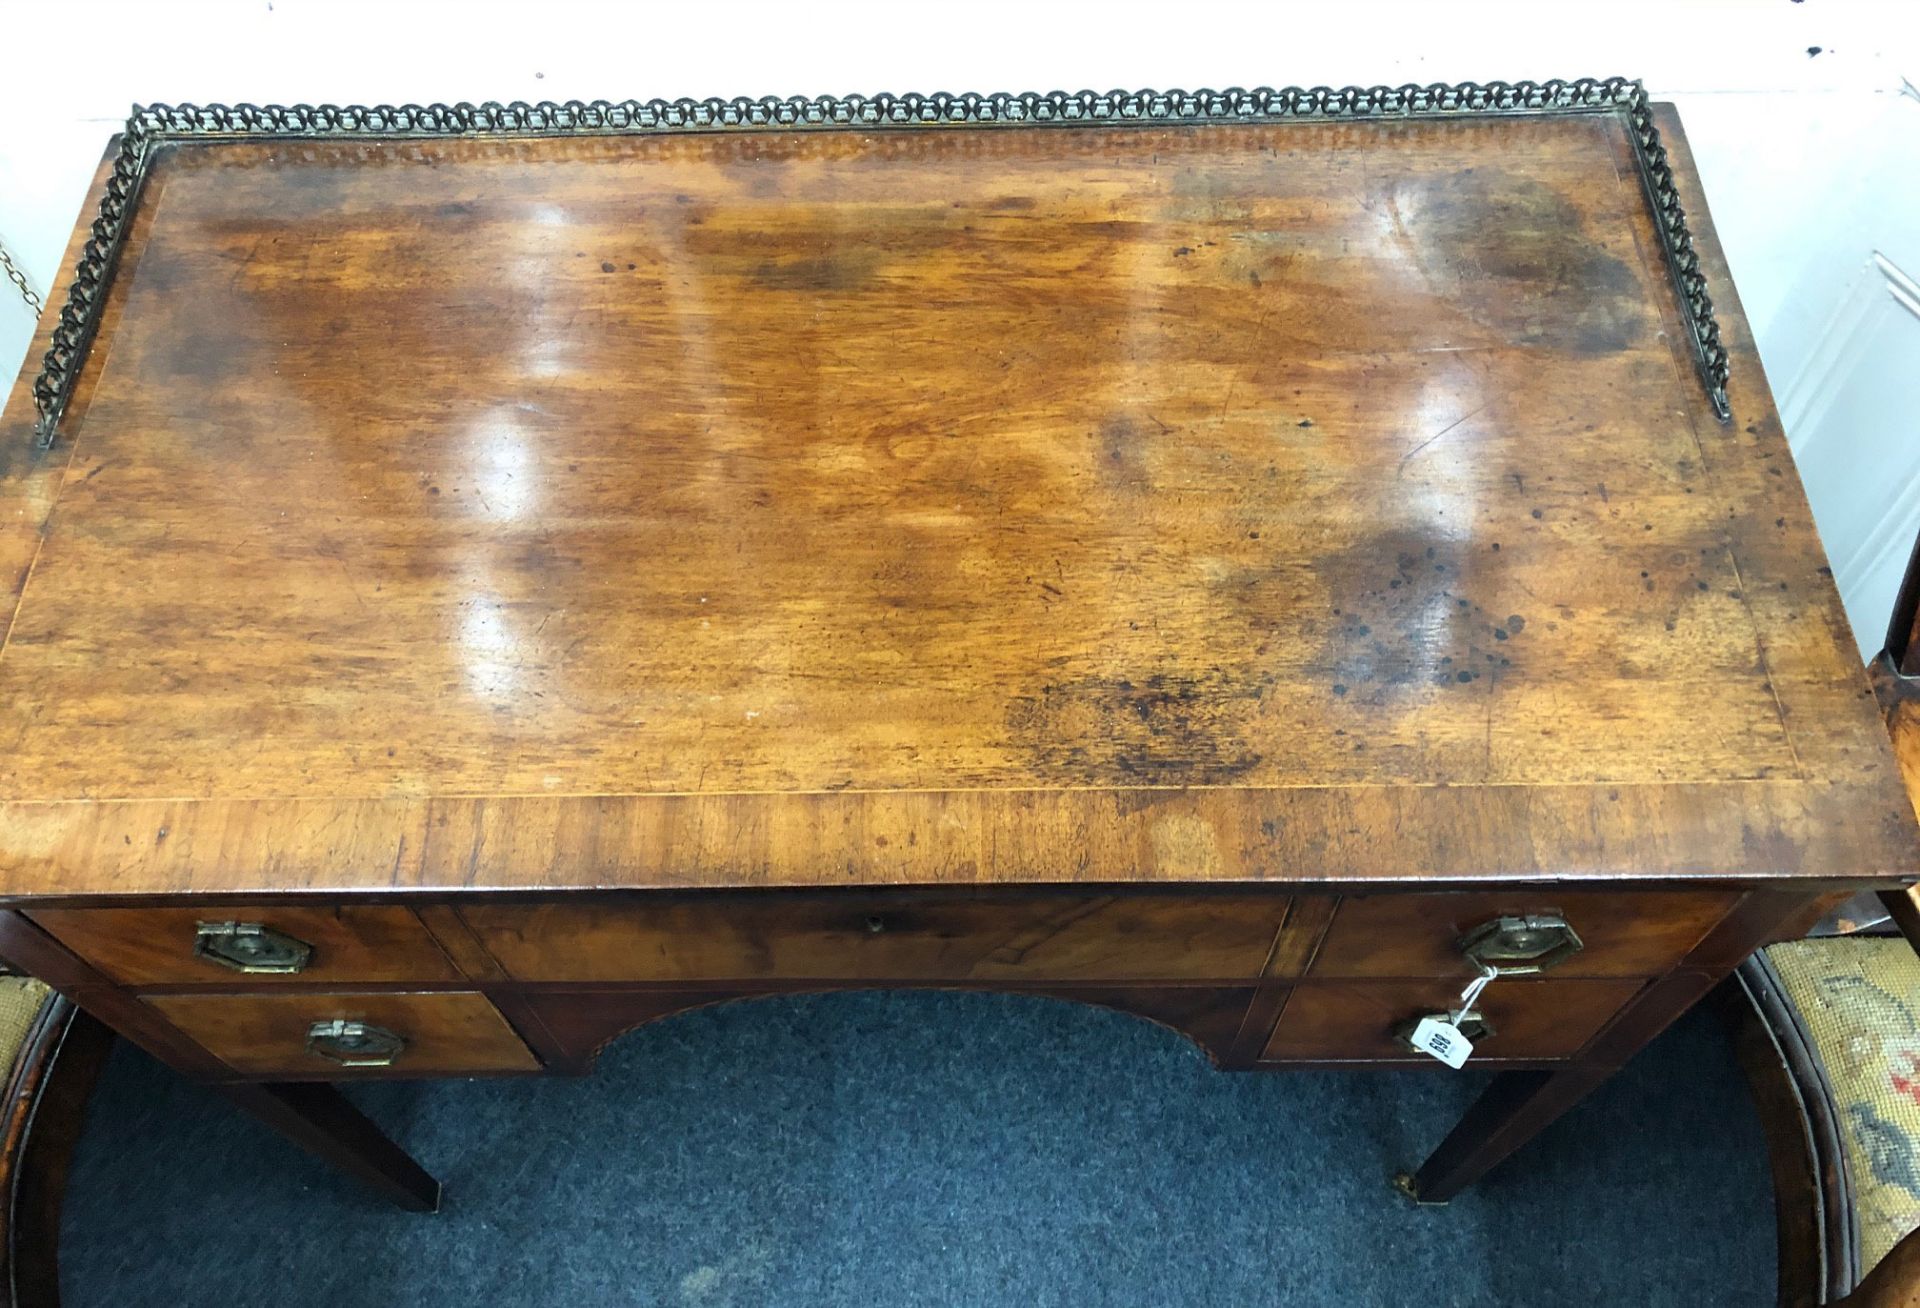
482,578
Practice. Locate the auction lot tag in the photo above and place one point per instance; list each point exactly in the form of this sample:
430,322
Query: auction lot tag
1442,1039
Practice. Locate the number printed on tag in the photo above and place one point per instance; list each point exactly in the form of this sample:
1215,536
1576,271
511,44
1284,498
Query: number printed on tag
1443,1040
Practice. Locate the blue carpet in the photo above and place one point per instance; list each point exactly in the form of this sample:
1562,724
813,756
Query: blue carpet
931,1148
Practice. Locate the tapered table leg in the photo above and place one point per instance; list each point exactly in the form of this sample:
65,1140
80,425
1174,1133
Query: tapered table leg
321,1120
1519,1105
1515,1108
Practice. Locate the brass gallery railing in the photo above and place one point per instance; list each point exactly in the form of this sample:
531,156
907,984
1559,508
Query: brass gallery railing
155,125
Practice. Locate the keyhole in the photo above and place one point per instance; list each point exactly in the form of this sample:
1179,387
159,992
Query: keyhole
875,925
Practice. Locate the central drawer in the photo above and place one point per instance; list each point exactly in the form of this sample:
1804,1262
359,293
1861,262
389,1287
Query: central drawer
769,935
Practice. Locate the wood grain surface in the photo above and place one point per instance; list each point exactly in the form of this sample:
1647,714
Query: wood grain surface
890,937
145,946
1359,1020
448,1032
1411,935
1305,501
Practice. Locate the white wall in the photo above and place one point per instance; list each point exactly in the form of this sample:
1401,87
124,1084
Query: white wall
1808,159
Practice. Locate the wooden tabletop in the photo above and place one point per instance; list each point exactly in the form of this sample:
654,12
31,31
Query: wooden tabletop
1311,500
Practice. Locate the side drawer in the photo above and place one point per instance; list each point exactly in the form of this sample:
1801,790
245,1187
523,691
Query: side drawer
448,1032
1636,934
1337,1020
156,946
768,935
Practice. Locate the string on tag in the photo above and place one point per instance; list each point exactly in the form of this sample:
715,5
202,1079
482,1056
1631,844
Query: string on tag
1471,995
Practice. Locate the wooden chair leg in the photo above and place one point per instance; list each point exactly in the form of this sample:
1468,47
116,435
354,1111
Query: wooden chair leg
1903,906
1818,1244
46,1099
320,1119
1894,1282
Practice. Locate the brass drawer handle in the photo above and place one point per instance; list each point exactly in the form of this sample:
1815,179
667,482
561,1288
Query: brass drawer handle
354,1044
1521,946
250,947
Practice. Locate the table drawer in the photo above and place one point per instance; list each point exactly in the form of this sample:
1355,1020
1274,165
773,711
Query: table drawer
1359,1019
157,946
449,1032
1622,935
772,936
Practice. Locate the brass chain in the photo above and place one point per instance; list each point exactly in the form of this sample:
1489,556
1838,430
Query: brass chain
154,125
19,279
